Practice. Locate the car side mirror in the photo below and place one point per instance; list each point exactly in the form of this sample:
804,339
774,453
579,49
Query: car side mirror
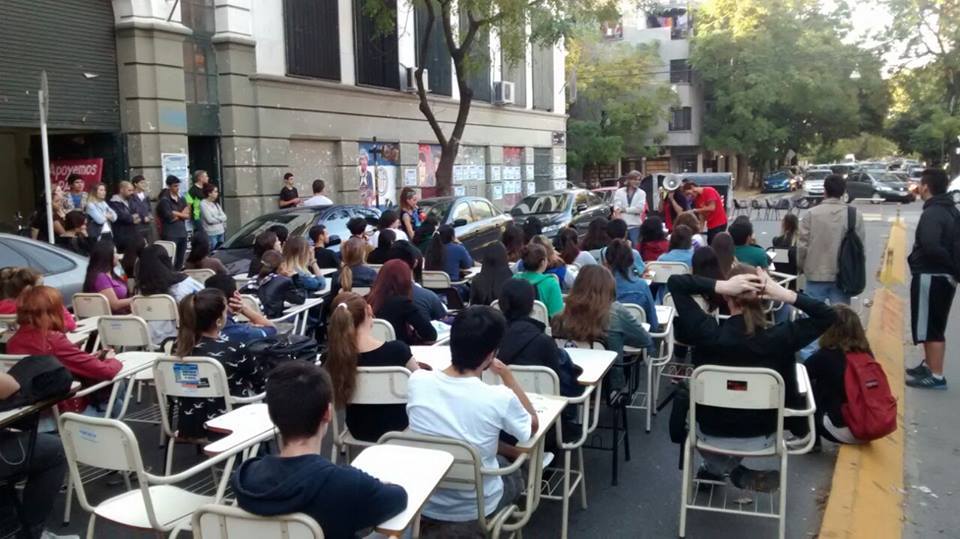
334,240
460,222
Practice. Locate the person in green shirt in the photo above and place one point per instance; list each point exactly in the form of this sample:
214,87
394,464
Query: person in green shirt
547,285
744,248
195,196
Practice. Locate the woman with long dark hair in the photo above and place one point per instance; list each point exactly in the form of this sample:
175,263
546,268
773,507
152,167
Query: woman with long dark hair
265,241
133,244
568,243
630,285
351,344
512,240
155,275
597,237
535,265
725,249
707,264
448,255
653,239
102,277
202,316
391,299
199,256
385,240
485,287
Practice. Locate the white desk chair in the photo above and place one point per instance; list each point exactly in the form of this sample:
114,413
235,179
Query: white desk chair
362,291
663,270
439,281
169,246
375,267
200,275
227,522
466,474
250,302
157,504
539,313
375,385
383,330
88,305
176,378
733,388
156,308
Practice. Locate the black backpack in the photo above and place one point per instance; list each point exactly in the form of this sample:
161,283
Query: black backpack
851,259
278,349
40,378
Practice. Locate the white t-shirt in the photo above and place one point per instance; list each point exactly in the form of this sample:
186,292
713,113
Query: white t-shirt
465,409
161,330
375,237
318,200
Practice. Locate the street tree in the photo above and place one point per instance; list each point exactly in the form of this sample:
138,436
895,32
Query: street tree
466,26
779,77
621,104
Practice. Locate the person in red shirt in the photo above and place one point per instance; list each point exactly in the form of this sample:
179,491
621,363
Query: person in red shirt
708,203
40,332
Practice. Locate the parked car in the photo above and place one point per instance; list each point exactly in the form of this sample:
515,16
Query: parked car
813,181
782,181
879,186
843,169
605,194
954,190
476,221
559,209
61,269
238,250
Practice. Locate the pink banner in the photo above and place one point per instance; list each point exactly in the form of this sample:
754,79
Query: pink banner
91,170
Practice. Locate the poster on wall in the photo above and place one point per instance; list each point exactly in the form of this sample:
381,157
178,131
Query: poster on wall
497,191
512,172
91,170
428,159
175,164
495,173
378,165
409,177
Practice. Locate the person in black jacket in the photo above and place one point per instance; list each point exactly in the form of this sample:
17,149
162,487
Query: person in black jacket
745,340
391,299
140,205
486,286
274,288
127,220
526,341
343,500
173,213
934,282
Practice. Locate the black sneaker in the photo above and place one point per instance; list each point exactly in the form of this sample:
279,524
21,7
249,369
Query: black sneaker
920,371
703,474
755,480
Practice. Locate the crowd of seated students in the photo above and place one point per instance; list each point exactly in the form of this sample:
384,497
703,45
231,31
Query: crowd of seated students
155,275
391,299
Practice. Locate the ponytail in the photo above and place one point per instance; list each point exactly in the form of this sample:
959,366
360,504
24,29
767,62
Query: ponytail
199,312
436,254
346,278
187,335
349,311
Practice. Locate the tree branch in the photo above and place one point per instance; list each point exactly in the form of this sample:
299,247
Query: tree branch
418,75
494,19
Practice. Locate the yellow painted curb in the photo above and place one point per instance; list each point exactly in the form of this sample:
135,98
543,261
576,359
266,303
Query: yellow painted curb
867,493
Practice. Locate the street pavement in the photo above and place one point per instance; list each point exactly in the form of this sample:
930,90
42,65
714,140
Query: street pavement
645,504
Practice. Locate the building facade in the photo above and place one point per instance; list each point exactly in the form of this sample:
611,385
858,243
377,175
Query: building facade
251,89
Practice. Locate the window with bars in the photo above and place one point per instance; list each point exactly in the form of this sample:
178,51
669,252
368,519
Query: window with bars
377,60
199,56
681,119
312,35
680,71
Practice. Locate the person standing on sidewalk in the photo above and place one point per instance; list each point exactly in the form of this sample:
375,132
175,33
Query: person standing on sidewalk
818,244
709,204
933,264
194,197
174,213
289,197
631,204
140,204
213,217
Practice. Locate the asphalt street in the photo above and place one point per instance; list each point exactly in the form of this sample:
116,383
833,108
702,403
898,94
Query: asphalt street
646,502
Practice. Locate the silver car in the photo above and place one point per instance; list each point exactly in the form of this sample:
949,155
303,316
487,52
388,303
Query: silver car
61,269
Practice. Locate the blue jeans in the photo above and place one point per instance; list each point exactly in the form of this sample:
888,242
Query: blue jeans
826,291
216,240
633,234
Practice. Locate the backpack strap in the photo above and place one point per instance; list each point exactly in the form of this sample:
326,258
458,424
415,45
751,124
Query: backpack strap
851,219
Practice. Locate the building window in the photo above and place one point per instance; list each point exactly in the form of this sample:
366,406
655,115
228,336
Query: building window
478,73
611,30
681,119
378,63
542,60
517,74
438,63
312,33
680,71
199,58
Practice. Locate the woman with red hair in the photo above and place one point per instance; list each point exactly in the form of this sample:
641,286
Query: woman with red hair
391,299
40,332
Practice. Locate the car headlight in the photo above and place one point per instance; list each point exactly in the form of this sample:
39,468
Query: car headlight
882,187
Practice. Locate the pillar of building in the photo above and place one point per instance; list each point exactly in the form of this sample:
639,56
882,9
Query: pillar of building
153,114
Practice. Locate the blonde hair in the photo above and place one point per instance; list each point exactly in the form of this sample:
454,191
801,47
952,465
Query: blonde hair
750,303
352,253
296,255
553,259
846,334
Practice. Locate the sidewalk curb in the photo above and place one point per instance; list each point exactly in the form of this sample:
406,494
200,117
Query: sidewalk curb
866,497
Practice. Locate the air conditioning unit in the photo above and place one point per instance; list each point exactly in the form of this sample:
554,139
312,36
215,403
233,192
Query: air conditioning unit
410,80
503,93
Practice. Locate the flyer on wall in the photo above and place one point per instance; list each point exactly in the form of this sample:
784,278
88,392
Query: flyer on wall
378,165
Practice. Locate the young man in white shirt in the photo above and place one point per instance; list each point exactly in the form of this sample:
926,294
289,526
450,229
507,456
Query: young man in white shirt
631,203
318,199
456,403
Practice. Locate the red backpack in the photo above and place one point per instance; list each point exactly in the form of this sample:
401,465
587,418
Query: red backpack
870,411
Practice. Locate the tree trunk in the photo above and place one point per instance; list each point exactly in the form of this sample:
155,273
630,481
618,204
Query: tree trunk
444,172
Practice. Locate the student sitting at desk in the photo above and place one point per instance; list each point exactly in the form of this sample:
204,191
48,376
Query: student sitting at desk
548,286
447,254
257,326
456,403
201,317
275,288
343,500
44,472
427,300
300,265
40,332
351,344
155,275
391,299
13,281
631,287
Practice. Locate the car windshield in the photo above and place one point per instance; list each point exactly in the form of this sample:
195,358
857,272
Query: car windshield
817,174
781,175
297,223
885,177
437,208
552,203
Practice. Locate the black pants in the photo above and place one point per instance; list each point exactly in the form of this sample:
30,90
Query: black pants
181,252
44,473
712,232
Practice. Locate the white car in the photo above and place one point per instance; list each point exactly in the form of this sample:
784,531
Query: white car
954,190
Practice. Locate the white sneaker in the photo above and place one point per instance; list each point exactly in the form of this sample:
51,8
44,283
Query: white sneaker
47,534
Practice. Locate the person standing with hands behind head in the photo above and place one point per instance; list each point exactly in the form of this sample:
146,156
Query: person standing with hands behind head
289,197
708,203
174,213
631,202
933,263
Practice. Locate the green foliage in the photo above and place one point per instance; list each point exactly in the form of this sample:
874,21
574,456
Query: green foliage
619,104
864,146
779,77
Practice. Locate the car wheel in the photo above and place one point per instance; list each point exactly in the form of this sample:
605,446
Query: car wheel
955,195
847,198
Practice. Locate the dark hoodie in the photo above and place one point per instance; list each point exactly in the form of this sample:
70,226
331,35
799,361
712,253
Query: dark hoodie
343,500
933,246
526,343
